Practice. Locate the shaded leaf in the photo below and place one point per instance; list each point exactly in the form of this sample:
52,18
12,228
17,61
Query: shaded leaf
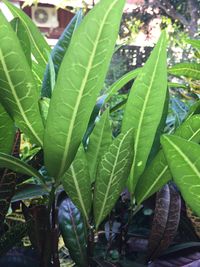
7,131
144,108
39,45
165,221
189,70
58,53
44,108
23,37
112,174
157,173
28,191
76,182
72,229
190,260
79,82
99,141
195,109
17,90
183,158
17,165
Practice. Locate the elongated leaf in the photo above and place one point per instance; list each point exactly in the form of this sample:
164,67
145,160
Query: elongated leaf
39,45
99,141
73,232
112,173
165,221
183,158
194,43
59,51
189,70
17,89
79,81
144,108
157,173
184,260
17,165
7,131
76,182
38,73
195,109
23,37
28,191
115,87
44,108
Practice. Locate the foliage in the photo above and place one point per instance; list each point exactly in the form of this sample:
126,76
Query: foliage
76,149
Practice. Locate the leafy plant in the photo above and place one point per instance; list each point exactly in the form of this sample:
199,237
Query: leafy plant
70,127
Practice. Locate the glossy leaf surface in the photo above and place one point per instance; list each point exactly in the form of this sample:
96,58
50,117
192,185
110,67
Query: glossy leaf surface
76,182
17,90
144,108
58,53
23,37
183,158
7,131
79,81
189,70
99,141
39,45
72,229
157,173
112,174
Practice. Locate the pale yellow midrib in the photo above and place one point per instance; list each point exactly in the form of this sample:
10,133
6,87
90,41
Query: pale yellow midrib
88,68
78,191
110,182
17,100
143,111
164,170
30,34
192,166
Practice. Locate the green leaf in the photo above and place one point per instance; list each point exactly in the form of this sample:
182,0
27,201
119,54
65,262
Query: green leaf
79,82
72,229
157,173
58,53
7,131
17,89
144,108
195,43
39,45
38,73
112,174
116,86
17,165
194,109
99,141
189,70
76,182
183,158
44,108
23,37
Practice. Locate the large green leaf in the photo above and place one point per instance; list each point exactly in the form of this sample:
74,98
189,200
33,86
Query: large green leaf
99,141
76,182
157,174
39,45
17,88
79,82
144,108
183,158
59,51
112,174
189,70
194,43
23,37
7,131
17,165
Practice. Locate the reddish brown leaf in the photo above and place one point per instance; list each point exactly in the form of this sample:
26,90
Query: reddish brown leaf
165,221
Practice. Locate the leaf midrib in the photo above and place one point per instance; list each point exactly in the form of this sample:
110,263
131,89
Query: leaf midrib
144,109
110,181
88,68
22,112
